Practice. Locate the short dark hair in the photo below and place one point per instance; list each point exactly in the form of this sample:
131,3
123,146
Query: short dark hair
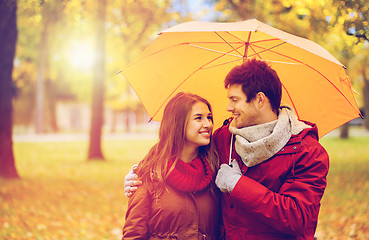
257,76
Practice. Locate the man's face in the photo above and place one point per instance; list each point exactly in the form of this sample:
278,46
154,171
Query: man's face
245,113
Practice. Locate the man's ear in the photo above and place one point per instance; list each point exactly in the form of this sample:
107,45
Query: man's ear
260,99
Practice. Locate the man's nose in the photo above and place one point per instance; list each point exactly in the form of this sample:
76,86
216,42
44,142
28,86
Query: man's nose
230,107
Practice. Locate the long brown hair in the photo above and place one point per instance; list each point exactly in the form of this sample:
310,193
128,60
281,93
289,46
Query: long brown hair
172,138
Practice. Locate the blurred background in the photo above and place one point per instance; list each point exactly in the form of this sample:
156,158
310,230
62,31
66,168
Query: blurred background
60,82
60,42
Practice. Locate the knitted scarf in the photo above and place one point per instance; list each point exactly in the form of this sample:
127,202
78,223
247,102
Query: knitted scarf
190,177
255,144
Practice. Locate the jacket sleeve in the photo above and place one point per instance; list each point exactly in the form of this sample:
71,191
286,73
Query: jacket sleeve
294,208
138,214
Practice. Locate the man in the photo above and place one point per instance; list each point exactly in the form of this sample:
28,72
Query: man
273,172
273,188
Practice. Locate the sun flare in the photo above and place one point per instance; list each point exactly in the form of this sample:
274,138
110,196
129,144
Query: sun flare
81,55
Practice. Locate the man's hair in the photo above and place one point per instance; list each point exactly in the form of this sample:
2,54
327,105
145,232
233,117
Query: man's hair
257,76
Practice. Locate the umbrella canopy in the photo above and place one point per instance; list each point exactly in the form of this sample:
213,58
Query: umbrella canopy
196,56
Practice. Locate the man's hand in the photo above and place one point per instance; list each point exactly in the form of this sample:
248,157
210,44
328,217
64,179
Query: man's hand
131,182
228,176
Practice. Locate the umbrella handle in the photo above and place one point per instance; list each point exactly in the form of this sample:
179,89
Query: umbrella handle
230,152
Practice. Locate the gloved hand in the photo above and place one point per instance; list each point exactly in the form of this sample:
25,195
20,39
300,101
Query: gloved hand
228,176
131,182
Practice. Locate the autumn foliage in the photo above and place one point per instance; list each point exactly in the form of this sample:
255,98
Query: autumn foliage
62,196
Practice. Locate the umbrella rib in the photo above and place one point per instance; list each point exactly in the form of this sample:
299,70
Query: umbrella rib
229,54
220,64
257,53
176,45
266,40
191,44
249,44
235,36
316,72
170,95
211,50
288,94
266,49
227,43
223,54
293,104
333,86
263,40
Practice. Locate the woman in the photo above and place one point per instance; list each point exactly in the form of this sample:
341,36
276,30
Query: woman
178,199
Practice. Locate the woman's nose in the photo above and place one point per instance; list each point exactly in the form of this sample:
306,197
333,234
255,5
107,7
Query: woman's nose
207,123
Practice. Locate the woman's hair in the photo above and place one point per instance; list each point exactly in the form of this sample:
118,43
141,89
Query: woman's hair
172,137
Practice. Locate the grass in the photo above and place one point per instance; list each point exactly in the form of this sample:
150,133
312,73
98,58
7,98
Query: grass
345,205
62,196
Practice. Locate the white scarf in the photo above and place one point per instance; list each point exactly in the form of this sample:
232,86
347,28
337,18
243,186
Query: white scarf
255,144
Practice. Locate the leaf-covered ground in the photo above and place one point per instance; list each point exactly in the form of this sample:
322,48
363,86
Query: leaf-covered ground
345,204
63,196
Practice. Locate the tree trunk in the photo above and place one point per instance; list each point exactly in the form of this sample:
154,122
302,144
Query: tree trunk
8,39
366,102
114,120
50,95
40,86
94,151
128,122
344,131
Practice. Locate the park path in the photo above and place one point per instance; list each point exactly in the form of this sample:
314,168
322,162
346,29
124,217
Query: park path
69,137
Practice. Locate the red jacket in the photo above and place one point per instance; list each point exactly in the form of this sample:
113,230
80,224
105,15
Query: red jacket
280,197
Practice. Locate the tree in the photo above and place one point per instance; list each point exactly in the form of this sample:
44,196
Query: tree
50,13
39,26
94,151
356,25
365,74
356,15
8,39
359,72
135,24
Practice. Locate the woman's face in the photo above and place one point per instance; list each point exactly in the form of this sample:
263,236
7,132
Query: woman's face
199,125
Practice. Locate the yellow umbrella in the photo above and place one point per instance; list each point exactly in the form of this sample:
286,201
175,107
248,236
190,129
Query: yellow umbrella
196,56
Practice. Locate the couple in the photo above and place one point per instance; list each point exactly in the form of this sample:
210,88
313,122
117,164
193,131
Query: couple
272,172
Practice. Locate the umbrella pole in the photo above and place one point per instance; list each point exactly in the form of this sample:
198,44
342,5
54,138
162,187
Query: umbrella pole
246,48
245,55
